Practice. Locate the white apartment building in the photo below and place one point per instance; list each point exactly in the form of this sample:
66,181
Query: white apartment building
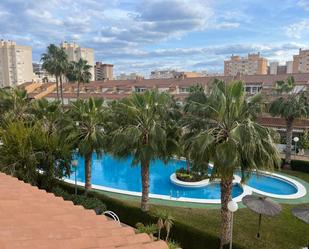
15,64
75,52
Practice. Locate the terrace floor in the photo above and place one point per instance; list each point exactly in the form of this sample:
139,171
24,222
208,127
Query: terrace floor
31,218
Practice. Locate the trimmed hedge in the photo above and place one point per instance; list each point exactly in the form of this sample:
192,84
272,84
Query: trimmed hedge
298,165
188,236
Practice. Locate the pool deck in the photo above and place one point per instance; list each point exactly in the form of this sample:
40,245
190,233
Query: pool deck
154,201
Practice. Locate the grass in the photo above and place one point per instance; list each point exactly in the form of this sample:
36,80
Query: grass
280,232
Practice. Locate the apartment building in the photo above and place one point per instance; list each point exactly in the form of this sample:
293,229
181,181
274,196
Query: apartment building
131,76
15,64
254,64
103,71
75,52
301,62
163,74
40,75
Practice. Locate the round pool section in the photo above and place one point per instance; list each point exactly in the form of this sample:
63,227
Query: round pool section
116,175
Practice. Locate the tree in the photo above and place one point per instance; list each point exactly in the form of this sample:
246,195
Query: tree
48,113
85,130
290,104
13,104
49,64
230,138
146,131
55,62
17,154
80,72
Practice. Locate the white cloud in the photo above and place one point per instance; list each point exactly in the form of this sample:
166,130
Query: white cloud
304,4
298,30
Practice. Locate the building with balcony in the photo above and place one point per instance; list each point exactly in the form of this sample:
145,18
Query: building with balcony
15,64
301,62
103,71
75,52
254,64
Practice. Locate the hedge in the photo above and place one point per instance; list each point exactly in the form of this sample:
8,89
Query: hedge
298,165
188,236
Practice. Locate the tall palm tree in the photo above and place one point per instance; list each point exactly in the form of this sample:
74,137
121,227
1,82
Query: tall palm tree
230,138
81,73
145,131
55,61
85,130
50,62
290,105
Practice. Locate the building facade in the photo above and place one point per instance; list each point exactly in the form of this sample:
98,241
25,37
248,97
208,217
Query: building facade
301,62
40,75
254,64
15,64
103,71
131,76
75,52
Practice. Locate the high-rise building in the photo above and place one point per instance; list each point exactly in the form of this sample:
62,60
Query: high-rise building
254,64
289,67
15,64
301,62
103,71
40,75
273,67
75,52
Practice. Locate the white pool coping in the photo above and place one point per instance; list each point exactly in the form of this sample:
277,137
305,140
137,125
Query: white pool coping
247,190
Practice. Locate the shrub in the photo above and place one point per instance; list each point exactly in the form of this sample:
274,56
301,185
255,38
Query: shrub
298,165
193,176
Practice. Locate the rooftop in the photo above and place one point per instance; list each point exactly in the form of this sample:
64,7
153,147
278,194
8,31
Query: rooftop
31,218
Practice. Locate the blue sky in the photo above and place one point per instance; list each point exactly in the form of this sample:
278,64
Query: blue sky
140,36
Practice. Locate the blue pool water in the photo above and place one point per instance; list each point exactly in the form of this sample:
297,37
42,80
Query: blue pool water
119,174
270,184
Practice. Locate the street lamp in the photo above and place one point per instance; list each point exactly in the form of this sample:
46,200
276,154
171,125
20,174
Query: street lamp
296,139
232,207
74,164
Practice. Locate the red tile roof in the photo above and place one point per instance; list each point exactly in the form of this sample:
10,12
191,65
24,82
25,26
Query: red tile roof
34,219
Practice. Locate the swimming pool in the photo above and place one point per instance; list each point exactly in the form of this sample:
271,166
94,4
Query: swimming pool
118,175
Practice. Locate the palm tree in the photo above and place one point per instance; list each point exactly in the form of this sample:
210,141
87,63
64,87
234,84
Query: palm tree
55,61
85,130
145,131
50,63
13,103
81,73
48,113
228,136
290,105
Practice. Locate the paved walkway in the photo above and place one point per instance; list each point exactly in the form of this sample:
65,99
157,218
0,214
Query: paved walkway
34,219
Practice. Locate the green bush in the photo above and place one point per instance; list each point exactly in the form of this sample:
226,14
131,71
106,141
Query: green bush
298,165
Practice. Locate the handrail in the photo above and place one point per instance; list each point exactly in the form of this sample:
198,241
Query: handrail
112,215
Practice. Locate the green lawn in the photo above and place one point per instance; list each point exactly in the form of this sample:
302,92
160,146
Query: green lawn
281,232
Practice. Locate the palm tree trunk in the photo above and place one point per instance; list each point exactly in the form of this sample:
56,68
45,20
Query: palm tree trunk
78,86
61,90
87,173
145,186
57,87
289,134
226,190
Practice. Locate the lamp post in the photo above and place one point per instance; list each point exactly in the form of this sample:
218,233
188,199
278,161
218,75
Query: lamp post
232,207
296,139
74,164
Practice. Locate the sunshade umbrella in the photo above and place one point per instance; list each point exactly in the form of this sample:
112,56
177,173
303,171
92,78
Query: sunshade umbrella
261,205
302,213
